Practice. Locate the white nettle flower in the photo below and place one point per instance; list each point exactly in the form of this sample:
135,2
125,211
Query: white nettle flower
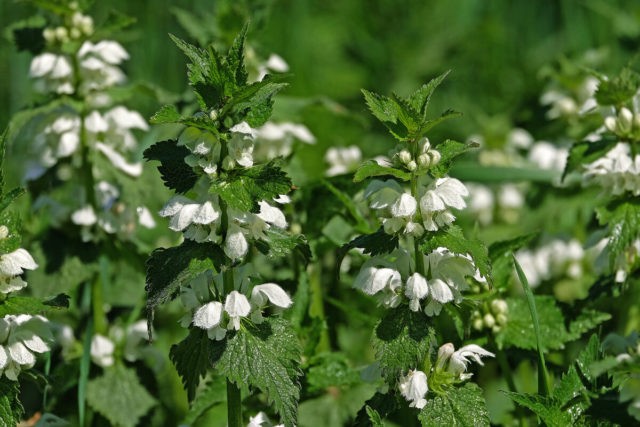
442,194
237,306
12,265
194,296
416,289
396,207
246,225
262,420
98,64
20,337
456,362
205,149
102,349
135,335
185,212
240,146
210,317
53,73
266,293
383,282
414,388
342,160
547,156
617,172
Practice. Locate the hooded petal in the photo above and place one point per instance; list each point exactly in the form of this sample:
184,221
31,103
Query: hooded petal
272,215
133,169
235,245
405,206
417,287
271,292
236,305
452,191
4,358
440,291
12,264
430,202
208,316
20,354
206,213
414,388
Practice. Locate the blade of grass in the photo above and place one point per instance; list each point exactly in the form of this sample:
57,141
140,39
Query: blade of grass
543,383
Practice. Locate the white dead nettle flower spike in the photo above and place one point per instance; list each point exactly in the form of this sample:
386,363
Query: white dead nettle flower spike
205,149
98,64
52,73
12,265
414,388
246,225
20,337
102,349
442,194
185,212
617,172
456,362
236,306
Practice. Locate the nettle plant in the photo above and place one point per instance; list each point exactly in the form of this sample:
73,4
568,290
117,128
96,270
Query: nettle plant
226,209
421,266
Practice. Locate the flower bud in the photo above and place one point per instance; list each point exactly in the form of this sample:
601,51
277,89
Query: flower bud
444,354
87,25
435,157
404,156
4,232
213,114
496,329
75,33
424,160
62,34
425,145
499,306
49,35
489,320
625,118
412,166
477,324
610,123
501,319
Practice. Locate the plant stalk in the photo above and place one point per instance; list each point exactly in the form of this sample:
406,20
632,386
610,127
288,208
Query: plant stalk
234,405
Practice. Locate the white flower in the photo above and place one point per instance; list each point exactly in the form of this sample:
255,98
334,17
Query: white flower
272,215
416,289
372,280
442,194
53,73
414,388
236,305
272,293
14,263
510,197
394,206
547,156
136,334
20,337
240,146
276,139
617,172
184,212
235,244
144,217
519,138
132,169
456,362
85,216
209,317
261,420
342,159
102,349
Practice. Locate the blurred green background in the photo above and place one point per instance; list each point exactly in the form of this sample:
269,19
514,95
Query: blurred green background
496,48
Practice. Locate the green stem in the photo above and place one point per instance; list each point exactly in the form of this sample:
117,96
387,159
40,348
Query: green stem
97,299
228,280
234,405
316,306
417,253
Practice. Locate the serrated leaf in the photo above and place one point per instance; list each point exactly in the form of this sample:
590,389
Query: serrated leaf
175,173
449,150
421,97
453,239
166,114
587,357
253,103
460,406
384,404
119,396
545,407
584,152
373,244
26,305
402,341
622,218
387,111
242,189
213,393
11,410
235,57
619,89
374,417
29,39
372,168
193,356
446,115
13,239
519,331
278,244
266,356
7,198
409,117
586,321
169,268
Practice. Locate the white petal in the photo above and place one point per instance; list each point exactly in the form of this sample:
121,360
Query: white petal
417,287
102,349
11,284
405,206
37,344
440,291
452,191
4,358
43,64
133,169
174,205
272,215
127,119
430,202
84,216
144,217
235,245
110,51
69,142
208,316
95,123
274,293
21,354
12,264
237,305
244,128
414,388
205,214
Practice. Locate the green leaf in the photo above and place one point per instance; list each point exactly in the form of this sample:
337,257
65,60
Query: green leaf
7,198
193,356
373,244
11,410
213,393
175,173
583,152
420,98
166,114
372,168
384,404
619,89
409,117
586,321
278,244
235,57
446,115
28,305
266,356
388,112
449,150
244,188
453,239
13,239
167,269
623,220
460,406
402,341
119,396
253,103
374,417
545,407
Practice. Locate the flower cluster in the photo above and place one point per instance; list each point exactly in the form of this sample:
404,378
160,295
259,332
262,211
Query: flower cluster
98,131
342,160
390,280
554,259
494,316
450,368
618,172
12,265
20,337
206,312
